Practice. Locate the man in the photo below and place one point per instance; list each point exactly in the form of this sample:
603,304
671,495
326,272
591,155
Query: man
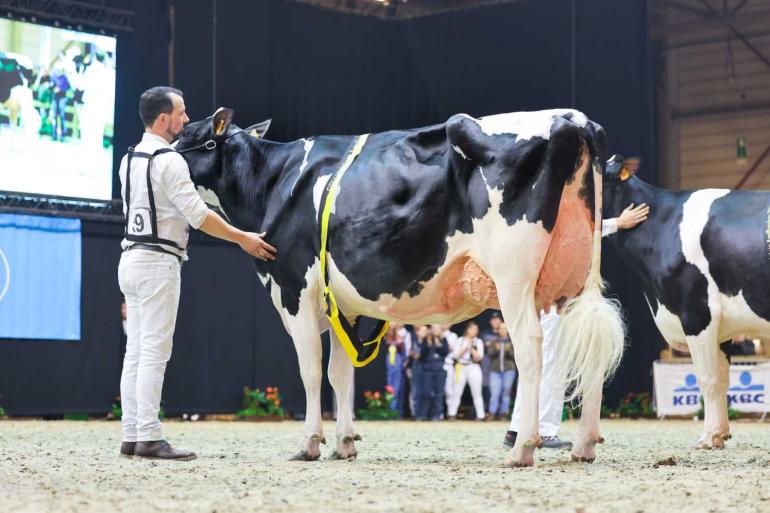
158,213
551,389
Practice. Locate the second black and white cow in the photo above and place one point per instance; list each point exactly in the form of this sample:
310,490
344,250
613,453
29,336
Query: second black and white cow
431,225
703,258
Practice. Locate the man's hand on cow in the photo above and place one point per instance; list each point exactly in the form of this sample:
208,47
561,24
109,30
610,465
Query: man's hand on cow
253,244
632,216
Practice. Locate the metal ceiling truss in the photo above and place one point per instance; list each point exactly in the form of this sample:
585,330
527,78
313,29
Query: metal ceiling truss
94,210
71,14
400,9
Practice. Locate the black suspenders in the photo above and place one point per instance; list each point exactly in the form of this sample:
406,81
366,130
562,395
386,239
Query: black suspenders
143,227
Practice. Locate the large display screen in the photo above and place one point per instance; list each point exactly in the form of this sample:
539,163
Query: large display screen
57,104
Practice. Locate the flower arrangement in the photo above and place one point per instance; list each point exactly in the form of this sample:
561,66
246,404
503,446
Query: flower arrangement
259,403
378,405
636,405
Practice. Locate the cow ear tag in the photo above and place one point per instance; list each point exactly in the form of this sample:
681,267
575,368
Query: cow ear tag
254,134
630,167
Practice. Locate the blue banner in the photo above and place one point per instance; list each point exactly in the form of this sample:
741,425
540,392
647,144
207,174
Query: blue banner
40,260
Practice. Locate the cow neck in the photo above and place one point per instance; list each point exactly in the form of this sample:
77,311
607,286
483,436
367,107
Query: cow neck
249,174
638,246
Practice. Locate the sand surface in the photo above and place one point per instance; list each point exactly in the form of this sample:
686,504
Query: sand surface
66,466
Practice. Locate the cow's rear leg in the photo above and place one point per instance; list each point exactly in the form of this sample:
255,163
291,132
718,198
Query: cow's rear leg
341,378
713,372
588,430
524,326
307,341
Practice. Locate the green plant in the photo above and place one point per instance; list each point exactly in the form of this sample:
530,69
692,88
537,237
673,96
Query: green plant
378,405
636,405
731,413
2,412
117,409
257,403
75,416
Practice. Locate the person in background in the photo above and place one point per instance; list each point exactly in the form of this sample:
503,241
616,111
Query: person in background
413,368
433,350
502,372
468,355
489,335
449,364
394,363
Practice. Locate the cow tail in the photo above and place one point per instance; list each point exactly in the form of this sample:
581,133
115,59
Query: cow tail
591,334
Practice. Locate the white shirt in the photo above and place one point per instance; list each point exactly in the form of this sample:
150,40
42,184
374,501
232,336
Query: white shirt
177,204
462,345
609,226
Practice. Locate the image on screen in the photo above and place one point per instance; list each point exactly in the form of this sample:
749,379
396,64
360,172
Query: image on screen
57,104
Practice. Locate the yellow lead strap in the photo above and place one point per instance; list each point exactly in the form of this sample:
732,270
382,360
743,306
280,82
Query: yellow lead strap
336,319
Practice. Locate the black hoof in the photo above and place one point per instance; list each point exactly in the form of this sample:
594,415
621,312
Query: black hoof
304,456
337,456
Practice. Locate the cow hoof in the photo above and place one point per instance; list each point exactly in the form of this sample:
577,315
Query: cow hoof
585,452
713,441
338,456
583,459
346,448
524,458
305,456
310,448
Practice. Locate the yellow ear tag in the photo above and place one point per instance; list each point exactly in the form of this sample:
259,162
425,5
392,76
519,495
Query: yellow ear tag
220,127
624,175
254,134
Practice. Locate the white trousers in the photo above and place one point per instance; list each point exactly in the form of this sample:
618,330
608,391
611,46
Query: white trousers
551,390
150,282
472,375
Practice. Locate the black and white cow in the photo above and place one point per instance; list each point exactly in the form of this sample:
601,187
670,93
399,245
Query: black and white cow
15,95
430,225
704,263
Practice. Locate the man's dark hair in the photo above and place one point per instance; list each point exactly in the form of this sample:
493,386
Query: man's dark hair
156,101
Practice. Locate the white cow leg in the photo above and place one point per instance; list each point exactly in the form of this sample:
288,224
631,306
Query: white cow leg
713,372
588,430
527,338
307,342
341,378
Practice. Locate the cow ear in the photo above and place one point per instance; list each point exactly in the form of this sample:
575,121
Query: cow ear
467,138
259,130
221,120
630,167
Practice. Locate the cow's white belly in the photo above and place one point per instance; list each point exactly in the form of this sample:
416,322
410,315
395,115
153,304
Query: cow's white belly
736,318
739,319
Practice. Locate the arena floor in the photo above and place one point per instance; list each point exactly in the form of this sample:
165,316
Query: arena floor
402,466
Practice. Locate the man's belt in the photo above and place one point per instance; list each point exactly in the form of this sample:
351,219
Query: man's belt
153,247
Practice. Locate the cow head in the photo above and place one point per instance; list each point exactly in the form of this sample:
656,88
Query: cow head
206,144
620,169
619,184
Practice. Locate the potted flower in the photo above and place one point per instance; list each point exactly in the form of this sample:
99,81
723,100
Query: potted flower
378,405
261,405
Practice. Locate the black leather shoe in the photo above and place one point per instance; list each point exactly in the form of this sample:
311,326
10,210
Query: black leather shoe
127,449
510,439
162,450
